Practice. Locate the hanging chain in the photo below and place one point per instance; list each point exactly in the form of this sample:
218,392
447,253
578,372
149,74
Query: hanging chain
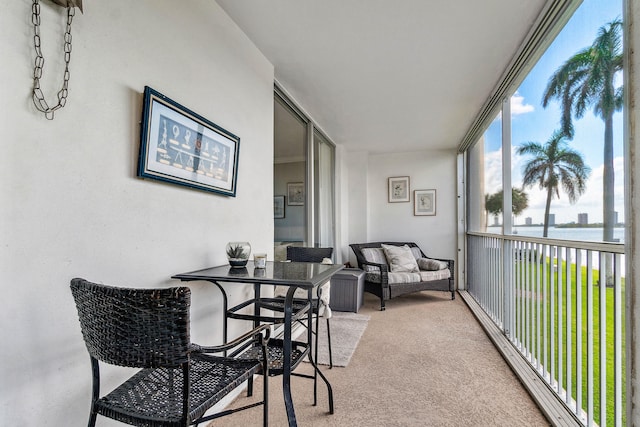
38,97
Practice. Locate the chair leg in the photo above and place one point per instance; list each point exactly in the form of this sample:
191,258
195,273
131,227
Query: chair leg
329,342
315,358
265,398
92,418
250,387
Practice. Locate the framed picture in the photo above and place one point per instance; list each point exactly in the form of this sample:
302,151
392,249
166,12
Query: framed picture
278,206
424,202
295,194
181,147
399,189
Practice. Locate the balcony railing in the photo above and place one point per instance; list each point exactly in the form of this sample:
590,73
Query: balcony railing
561,305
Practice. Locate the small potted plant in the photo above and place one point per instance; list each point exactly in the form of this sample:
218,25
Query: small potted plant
238,253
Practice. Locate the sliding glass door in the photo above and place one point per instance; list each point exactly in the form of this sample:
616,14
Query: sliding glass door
290,176
304,176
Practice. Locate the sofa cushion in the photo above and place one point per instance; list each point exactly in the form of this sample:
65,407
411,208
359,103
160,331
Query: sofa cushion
394,277
401,259
403,277
373,255
373,277
428,264
427,276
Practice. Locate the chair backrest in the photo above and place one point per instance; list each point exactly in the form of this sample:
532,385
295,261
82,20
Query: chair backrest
143,328
308,254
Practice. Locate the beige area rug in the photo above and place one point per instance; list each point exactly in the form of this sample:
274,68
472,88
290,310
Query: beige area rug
346,331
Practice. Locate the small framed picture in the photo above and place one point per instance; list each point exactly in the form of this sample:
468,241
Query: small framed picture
295,194
424,202
278,207
399,189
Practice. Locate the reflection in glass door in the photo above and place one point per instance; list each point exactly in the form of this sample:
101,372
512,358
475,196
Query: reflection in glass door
290,177
323,178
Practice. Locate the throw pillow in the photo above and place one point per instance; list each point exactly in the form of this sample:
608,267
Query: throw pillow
400,259
428,264
375,255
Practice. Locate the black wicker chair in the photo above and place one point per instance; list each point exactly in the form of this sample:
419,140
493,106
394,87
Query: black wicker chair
149,329
295,254
307,254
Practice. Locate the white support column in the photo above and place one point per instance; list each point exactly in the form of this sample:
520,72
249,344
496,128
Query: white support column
310,204
507,216
507,248
632,210
462,223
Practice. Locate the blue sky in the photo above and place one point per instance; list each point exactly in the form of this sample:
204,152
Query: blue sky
532,122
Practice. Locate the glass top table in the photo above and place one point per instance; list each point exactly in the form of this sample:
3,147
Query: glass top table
305,275
295,275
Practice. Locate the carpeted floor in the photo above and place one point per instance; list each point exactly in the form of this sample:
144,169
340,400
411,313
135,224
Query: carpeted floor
424,361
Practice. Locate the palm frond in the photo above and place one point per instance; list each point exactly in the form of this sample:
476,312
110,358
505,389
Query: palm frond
554,165
586,79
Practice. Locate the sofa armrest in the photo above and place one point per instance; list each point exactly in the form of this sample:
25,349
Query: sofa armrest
381,267
384,271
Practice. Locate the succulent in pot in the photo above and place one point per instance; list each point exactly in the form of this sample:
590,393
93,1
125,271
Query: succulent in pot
238,253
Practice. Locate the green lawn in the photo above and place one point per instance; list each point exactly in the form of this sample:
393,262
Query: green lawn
559,324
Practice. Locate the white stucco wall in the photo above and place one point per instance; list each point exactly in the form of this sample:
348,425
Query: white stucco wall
436,235
373,218
356,171
71,205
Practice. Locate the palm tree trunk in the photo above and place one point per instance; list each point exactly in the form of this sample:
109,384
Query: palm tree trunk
547,208
608,182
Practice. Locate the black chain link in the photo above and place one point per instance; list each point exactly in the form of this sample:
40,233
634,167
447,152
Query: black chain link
38,97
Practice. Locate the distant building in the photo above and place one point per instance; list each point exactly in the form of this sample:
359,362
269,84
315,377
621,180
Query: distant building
496,220
528,220
583,218
616,218
552,219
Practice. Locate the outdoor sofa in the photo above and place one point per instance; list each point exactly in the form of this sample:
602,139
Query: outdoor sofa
388,275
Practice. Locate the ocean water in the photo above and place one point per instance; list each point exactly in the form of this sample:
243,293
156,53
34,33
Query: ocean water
584,234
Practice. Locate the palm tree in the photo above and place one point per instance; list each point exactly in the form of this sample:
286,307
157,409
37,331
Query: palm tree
519,202
552,165
587,79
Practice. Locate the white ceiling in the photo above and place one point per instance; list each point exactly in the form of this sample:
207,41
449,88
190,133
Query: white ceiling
382,75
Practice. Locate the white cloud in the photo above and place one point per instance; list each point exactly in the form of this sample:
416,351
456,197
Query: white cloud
492,171
518,106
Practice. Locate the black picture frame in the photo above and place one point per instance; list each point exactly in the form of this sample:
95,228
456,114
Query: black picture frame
181,147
